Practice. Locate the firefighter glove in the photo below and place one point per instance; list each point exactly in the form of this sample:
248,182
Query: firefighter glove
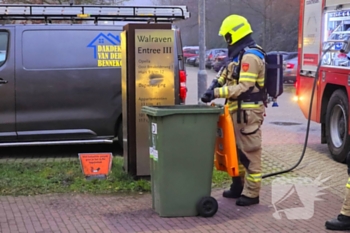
208,96
214,84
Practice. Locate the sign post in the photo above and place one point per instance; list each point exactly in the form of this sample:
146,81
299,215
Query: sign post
202,75
147,80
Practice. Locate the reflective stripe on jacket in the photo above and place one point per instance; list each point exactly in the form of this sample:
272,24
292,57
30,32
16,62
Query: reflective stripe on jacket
252,71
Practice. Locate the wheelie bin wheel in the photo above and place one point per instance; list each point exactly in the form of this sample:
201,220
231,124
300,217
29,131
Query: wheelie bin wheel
207,206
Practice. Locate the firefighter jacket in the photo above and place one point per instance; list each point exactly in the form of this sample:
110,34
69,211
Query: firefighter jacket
252,72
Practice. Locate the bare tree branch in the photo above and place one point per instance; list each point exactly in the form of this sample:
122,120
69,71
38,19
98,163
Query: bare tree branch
253,8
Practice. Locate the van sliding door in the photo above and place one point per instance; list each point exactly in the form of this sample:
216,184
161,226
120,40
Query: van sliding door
67,87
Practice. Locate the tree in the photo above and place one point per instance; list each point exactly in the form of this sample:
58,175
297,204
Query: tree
279,26
274,22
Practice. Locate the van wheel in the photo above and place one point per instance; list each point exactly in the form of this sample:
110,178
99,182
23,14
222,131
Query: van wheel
338,139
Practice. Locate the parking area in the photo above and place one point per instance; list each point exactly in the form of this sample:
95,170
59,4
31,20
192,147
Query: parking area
284,131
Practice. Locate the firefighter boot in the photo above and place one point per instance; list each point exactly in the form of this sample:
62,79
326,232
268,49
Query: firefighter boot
246,201
235,189
341,223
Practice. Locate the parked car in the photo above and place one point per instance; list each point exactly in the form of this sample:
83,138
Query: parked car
286,55
290,55
210,56
190,47
219,61
274,52
191,60
196,61
290,70
190,52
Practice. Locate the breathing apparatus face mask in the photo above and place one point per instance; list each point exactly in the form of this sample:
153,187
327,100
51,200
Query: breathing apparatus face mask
232,49
228,39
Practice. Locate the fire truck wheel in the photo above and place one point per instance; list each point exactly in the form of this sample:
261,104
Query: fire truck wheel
338,139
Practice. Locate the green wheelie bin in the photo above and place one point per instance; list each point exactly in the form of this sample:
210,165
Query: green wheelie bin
182,146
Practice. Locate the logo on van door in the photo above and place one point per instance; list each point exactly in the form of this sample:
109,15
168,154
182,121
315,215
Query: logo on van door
106,50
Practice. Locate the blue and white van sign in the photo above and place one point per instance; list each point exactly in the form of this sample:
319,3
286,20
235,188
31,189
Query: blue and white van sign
105,48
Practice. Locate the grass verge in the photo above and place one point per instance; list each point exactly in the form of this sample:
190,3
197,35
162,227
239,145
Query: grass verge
66,177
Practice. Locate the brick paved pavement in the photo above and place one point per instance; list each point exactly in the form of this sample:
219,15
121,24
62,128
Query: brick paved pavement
87,213
120,213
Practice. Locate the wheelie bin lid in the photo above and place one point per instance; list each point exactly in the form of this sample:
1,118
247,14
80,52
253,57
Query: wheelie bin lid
167,110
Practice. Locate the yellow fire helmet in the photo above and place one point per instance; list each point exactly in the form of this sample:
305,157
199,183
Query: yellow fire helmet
234,28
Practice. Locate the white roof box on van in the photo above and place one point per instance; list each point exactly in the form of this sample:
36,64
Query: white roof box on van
93,12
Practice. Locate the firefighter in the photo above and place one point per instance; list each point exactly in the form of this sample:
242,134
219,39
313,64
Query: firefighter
342,222
244,100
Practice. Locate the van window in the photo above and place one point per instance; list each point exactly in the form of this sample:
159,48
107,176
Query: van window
3,46
67,49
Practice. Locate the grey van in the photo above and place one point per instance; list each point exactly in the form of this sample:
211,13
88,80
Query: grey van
55,89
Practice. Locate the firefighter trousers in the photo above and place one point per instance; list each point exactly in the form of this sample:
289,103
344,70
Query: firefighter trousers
249,149
345,210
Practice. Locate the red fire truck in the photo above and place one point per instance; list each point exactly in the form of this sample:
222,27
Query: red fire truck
326,24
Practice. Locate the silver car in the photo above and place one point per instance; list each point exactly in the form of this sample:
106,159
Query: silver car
290,70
